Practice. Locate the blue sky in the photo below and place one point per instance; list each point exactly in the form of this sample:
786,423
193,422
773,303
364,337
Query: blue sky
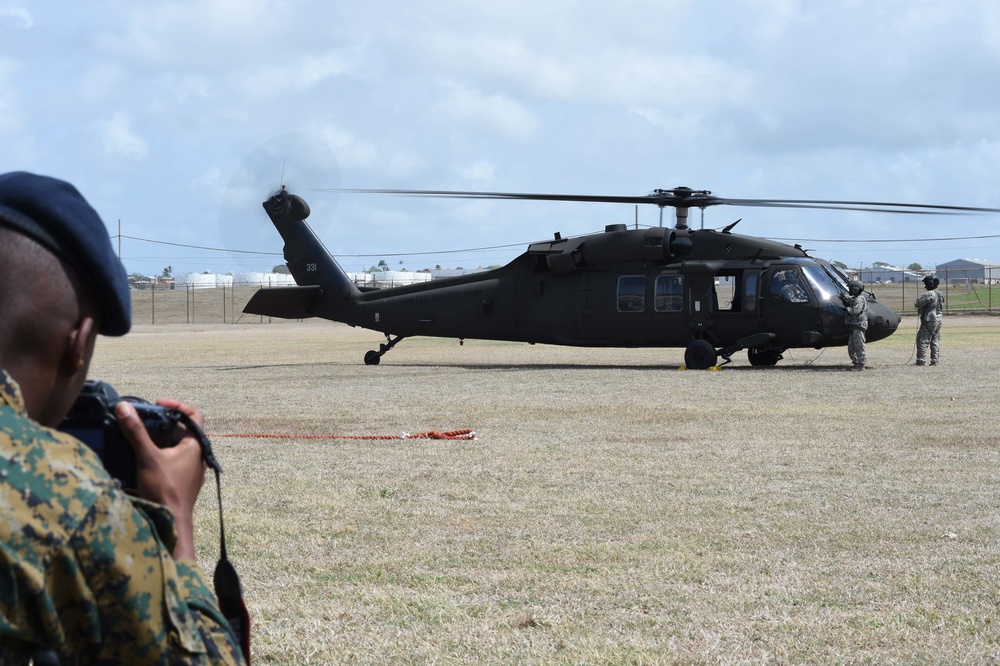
178,118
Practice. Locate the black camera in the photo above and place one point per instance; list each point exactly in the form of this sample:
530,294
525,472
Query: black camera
92,420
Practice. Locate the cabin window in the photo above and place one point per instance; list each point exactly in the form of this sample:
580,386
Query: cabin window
728,294
669,296
750,291
631,293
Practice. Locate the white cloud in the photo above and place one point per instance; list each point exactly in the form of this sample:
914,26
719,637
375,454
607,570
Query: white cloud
676,81
186,30
499,112
11,118
683,123
18,16
294,77
119,138
502,58
479,171
101,80
344,146
312,70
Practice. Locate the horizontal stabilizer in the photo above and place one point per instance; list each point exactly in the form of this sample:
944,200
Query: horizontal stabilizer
284,302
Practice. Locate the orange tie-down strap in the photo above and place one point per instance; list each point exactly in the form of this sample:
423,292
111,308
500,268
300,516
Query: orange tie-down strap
466,433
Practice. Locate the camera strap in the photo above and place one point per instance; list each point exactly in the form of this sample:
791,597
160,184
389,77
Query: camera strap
228,589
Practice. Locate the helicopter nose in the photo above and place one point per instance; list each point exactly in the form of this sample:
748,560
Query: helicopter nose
882,321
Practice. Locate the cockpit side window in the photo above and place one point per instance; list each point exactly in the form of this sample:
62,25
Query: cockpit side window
786,285
631,293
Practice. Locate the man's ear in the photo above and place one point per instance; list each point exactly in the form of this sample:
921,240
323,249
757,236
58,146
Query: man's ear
58,384
76,356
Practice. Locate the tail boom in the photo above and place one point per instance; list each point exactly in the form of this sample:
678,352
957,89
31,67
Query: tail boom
324,289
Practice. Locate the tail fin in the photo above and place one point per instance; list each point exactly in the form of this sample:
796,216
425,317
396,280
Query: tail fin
308,260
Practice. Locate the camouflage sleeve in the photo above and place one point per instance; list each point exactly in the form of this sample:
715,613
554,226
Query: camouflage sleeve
87,570
108,591
150,607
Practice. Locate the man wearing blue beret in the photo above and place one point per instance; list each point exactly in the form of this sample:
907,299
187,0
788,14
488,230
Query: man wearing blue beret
87,571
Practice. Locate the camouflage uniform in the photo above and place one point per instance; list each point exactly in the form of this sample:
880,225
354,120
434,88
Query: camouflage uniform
86,569
929,307
856,319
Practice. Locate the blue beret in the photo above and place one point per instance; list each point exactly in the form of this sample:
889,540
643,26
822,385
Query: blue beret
55,214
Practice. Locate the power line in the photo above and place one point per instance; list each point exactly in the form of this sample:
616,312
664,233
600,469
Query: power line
858,241
278,254
197,247
882,240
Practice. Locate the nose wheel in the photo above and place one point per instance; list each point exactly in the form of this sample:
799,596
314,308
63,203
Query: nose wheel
373,357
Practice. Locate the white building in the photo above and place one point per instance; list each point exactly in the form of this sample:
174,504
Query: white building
388,278
881,272
454,272
194,281
261,279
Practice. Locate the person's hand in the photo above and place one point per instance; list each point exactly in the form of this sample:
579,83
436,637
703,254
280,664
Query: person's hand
170,476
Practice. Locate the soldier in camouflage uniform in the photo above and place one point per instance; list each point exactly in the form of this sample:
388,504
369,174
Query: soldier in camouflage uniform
929,306
856,318
790,287
86,571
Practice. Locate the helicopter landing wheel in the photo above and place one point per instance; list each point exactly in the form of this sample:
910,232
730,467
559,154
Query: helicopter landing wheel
761,358
700,355
373,357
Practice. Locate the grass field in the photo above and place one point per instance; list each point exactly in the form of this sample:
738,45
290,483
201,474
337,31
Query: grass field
612,510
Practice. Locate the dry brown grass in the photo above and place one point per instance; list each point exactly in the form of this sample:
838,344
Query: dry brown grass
612,510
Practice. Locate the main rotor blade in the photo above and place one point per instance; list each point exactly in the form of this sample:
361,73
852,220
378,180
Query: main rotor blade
451,194
834,206
682,197
878,206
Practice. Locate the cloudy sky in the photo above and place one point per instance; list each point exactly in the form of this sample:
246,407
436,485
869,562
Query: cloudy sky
176,119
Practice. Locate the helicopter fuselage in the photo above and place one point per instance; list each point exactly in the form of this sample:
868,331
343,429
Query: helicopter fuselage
710,292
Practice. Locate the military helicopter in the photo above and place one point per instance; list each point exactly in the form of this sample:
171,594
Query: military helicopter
713,293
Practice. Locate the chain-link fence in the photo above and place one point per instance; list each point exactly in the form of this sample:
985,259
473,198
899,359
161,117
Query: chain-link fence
967,290
167,304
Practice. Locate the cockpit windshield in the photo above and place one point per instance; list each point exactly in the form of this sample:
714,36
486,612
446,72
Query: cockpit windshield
824,284
837,274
